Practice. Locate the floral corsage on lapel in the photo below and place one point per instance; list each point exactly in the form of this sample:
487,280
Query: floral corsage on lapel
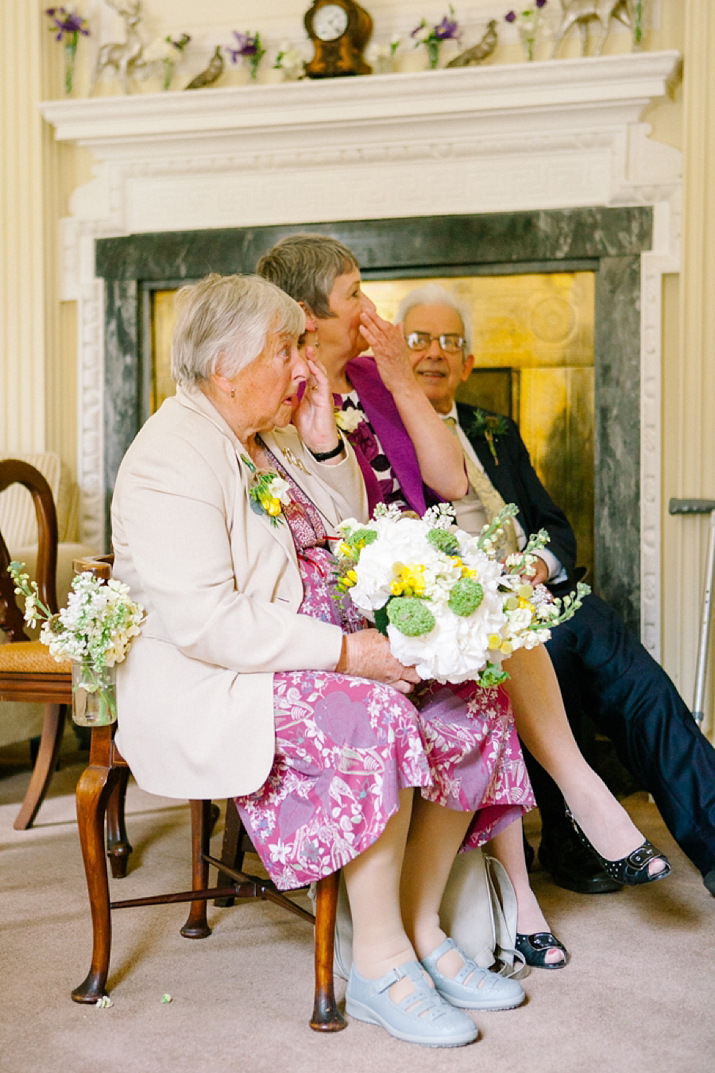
268,493
348,420
490,427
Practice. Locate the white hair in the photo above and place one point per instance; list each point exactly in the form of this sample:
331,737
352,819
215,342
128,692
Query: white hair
435,294
227,318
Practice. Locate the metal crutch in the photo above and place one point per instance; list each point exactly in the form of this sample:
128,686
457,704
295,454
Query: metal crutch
701,506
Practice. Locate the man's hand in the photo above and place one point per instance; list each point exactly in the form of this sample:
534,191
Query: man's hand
541,572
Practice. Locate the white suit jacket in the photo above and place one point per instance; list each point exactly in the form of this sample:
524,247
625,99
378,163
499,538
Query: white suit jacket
221,589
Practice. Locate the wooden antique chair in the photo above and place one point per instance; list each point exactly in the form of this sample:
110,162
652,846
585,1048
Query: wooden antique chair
100,795
28,673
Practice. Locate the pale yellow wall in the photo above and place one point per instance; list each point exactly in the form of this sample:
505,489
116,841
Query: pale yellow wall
22,207
689,376
38,335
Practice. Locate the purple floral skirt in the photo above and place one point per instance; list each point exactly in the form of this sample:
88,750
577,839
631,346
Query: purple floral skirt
346,746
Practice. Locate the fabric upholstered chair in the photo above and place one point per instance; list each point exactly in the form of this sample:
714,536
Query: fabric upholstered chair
28,673
100,793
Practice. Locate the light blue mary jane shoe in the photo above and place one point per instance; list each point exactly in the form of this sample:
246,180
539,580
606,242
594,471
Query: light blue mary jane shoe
472,988
421,1017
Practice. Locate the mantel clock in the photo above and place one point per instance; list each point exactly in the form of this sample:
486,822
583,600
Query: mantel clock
340,31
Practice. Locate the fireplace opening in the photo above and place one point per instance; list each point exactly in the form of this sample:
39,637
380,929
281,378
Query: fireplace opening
533,343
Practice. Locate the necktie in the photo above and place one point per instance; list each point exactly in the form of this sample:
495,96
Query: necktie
487,493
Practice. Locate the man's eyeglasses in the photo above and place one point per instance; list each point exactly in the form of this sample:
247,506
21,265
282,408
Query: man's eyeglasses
449,343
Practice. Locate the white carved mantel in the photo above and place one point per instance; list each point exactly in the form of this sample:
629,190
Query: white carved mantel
552,135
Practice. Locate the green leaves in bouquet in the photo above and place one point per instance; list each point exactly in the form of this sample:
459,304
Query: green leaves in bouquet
381,619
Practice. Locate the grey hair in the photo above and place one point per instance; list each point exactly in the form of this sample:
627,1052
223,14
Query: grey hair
306,266
227,318
435,294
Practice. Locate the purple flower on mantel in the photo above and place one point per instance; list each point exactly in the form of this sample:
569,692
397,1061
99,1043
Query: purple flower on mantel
180,43
447,30
511,16
248,45
66,23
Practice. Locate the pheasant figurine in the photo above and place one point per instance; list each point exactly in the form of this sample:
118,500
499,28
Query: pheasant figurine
211,74
480,51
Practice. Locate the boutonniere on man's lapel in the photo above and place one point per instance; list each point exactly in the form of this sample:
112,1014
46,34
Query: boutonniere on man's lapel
268,492
490,427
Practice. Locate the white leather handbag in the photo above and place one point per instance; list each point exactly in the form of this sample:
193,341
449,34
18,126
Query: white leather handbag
478,912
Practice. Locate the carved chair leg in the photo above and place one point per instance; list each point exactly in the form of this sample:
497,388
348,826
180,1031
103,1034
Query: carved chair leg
326,1016
196,926
93,790
119,847
231,849
50,742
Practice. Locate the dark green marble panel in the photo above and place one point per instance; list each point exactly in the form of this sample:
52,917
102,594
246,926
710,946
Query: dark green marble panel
122,377
617,435
425,241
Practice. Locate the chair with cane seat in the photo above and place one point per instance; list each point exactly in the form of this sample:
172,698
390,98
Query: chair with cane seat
103,785
28,673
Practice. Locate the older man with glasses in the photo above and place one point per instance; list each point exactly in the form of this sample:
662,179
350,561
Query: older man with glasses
603,670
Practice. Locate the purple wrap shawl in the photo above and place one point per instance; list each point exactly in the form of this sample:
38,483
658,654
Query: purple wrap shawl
383,415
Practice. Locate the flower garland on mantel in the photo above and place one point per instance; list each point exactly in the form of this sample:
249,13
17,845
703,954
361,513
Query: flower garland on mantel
286,60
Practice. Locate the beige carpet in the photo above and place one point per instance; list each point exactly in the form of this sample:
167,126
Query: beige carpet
638,996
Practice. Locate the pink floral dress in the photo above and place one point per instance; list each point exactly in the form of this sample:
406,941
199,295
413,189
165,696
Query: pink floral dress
346,746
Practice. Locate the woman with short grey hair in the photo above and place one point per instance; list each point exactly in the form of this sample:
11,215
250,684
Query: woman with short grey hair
253,679
227,318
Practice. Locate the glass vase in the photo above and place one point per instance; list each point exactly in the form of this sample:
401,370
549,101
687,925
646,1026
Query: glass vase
94,694
641,10
167,74
432,54
70,55
528,30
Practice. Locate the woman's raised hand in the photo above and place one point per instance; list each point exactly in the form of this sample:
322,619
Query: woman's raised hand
314,417
367,654
389,350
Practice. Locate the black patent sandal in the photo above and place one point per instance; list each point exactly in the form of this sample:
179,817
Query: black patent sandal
534,949
633,869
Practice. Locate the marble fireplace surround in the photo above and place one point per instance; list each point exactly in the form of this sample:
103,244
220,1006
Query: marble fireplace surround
523,167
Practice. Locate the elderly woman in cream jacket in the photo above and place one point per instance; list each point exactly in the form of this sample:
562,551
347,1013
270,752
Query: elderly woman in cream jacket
251,679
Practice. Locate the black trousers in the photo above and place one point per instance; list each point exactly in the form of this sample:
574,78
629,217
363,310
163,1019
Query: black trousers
605,672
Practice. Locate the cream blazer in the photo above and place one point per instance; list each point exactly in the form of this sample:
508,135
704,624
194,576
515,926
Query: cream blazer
221,589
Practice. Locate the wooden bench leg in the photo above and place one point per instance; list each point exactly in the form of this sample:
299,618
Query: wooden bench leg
93,790
326,1016
50,742
196,926
118,845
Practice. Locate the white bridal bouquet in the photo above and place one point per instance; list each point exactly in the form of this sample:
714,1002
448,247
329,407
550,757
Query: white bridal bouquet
95,629
445,601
